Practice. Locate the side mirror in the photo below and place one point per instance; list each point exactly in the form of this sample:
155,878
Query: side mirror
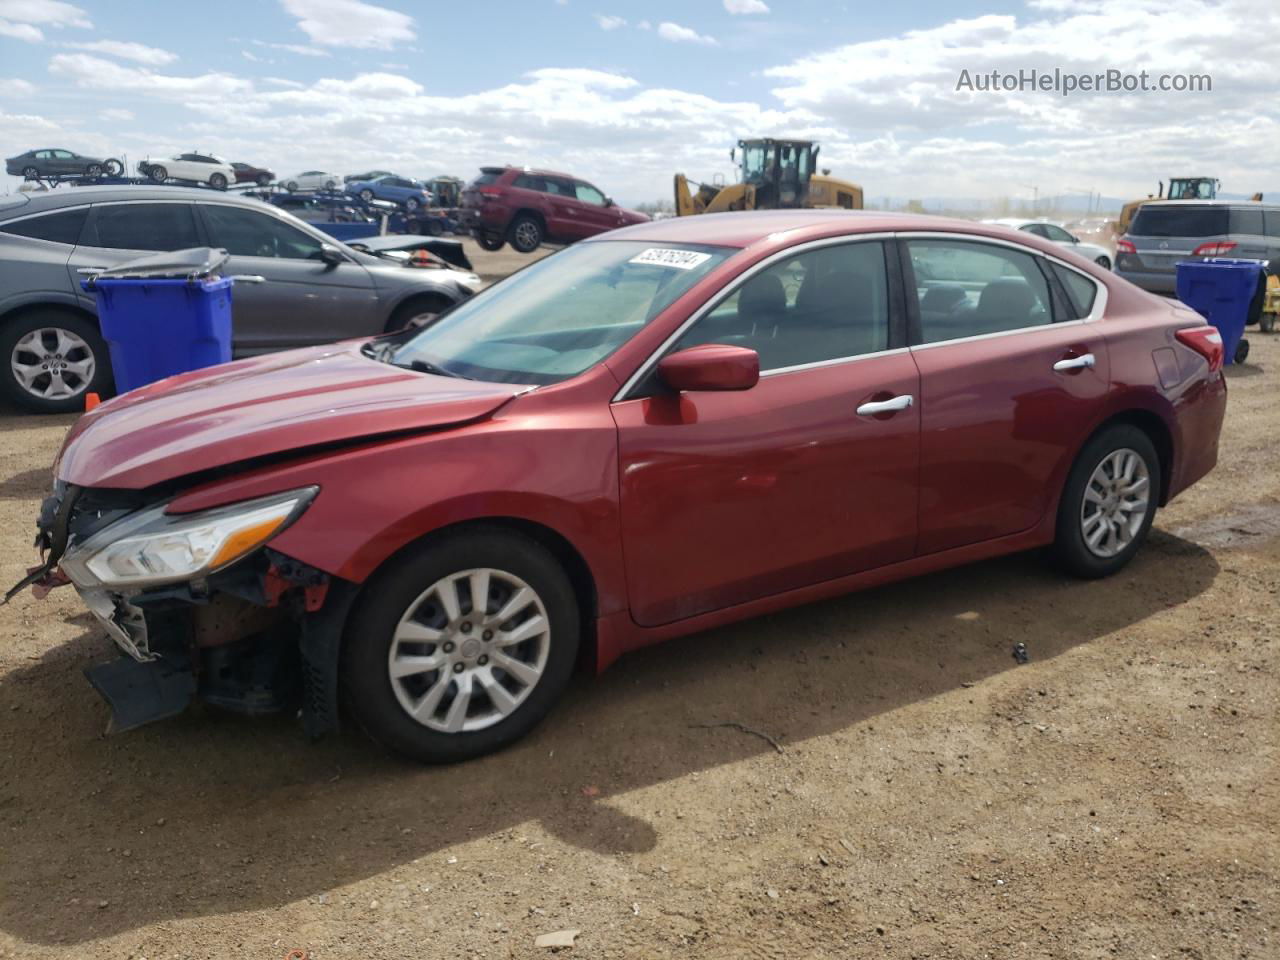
608,201
331,254
1074,238
712,366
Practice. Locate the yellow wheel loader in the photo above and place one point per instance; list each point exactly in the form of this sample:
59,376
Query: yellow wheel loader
776,175
1180,188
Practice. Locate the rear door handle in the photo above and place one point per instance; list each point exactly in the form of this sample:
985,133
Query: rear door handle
1075,363
886,406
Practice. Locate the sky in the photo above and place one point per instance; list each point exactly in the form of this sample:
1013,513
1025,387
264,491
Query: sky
625,93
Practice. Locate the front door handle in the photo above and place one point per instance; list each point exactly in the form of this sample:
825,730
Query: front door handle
886,406
1075,363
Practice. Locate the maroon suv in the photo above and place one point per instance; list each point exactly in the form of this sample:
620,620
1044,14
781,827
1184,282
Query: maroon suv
525,207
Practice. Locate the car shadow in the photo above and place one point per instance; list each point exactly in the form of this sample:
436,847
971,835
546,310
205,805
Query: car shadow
210,814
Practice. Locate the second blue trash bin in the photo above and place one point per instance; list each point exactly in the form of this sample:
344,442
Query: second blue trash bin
157,325
1221,290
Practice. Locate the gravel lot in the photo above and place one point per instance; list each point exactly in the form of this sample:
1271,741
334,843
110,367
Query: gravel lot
1116,797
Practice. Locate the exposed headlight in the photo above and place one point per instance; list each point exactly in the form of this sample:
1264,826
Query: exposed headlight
151,547
469,280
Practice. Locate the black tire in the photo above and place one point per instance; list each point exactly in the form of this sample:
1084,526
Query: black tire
1103,262
263,180
30,173
112,167
409,313
1070,551
365,679
1267,323
432,228
54,318
1242,351
291,186
366,195
158,174
93,171
411,204
218,181
329,185
492,244
525,233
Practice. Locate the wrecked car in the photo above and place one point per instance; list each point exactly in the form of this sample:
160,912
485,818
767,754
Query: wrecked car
660,430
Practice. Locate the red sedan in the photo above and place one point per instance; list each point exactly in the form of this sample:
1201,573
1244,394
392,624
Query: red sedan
670,427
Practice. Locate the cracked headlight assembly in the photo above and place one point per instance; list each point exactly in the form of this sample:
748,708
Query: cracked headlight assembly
151,547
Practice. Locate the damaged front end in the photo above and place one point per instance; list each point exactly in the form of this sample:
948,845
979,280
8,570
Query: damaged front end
199,605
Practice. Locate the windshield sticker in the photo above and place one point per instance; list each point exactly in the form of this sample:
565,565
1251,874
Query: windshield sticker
677,259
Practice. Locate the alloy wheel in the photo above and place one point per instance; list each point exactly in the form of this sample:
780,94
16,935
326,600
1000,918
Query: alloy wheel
1116,501
528,235
469,650
52,363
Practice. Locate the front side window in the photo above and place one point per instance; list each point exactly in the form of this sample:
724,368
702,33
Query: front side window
143,226
968,289
560,316
247,233
589,194
824,304
61,227
1057,234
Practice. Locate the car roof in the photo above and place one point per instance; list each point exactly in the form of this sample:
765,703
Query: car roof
749,227
538,171
77,196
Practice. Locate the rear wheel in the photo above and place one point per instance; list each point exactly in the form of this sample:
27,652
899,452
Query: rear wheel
366,194
218,181
291,186
1108,503
461,646
525,233
489,243
411,204
1103,262
112,167
158,174
263,180
329,184
93,170
30,173
432,228
54,359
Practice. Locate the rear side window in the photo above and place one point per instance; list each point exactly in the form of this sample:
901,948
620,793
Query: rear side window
1247,220
1180,221
486,178
143,226
527,182
61,227
967,289
1081,291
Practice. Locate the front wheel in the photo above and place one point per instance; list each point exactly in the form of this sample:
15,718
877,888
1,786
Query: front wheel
461,646
158,174
291,186
410,204
93,171
366,195
492,244
1108,503
54,359
112,167
329,184
218,181
1103,262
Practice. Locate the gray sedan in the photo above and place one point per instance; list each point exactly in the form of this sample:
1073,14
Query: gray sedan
317,290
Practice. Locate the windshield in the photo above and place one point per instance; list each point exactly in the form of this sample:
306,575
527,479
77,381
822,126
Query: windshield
560,316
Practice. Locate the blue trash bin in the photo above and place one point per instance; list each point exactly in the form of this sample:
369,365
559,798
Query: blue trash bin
1221,289
156,328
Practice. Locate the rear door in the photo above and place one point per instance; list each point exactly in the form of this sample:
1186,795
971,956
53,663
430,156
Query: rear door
304,300
35,251
1010,377
126,230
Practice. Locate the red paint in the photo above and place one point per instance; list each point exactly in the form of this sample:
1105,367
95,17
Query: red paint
691,509
712,366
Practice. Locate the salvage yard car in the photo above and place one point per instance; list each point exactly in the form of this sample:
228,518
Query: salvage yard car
664,429
192,167
527,208
1056,234
410,193
317,289
54,162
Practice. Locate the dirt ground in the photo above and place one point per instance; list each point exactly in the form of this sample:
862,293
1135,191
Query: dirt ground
1117,796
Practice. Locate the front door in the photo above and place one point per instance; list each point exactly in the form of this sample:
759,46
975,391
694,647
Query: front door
731,496
304,300
1010,379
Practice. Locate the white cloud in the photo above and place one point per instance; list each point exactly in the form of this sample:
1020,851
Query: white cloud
118,114
46,13
350,23
20,31
746,6
608,22
678,34
95,73
127,50
15,87
250,56
298,48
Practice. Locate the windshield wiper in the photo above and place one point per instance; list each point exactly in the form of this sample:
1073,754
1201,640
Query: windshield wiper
425,366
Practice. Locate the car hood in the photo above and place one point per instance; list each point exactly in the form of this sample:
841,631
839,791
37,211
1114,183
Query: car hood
276,404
